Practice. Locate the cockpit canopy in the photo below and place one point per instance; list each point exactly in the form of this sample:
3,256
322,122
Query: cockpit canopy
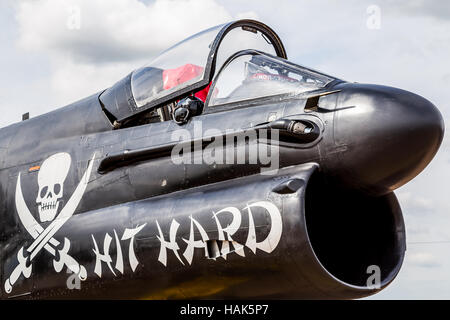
187,67
192,60
248,54
251,74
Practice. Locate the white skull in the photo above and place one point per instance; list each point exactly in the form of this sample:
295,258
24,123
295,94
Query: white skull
51,179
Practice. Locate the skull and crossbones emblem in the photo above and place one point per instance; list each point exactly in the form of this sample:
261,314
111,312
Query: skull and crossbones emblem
51,178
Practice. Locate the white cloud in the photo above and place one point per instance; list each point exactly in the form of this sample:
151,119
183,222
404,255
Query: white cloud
93,44
247,15
415,204
72,81
423,259
112,30
436,9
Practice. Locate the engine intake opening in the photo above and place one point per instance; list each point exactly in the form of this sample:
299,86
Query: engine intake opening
350,231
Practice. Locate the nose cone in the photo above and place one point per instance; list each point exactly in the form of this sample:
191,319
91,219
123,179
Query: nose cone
390,136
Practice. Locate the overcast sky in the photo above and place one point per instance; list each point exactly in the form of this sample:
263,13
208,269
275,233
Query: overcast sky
55,52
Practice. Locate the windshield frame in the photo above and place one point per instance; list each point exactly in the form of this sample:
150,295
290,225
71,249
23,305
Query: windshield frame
252,100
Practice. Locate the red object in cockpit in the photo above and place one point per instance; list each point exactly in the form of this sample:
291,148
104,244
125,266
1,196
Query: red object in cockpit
180,75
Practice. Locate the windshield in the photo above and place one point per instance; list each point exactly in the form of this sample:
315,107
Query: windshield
256,75
191,63
176,68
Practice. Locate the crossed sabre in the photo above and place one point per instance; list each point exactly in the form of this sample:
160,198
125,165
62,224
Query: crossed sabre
44,238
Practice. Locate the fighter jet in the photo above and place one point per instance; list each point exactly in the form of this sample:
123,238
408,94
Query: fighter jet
219,170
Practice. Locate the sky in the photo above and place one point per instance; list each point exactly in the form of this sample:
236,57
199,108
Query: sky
55,52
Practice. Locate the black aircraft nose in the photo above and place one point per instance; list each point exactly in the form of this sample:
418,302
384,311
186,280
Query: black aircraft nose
389,136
